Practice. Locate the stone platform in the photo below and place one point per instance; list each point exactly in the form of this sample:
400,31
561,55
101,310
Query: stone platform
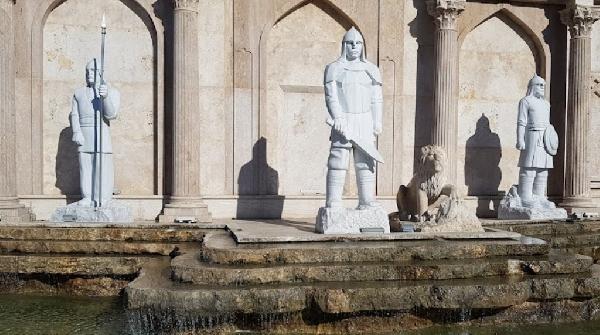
74,213
243,272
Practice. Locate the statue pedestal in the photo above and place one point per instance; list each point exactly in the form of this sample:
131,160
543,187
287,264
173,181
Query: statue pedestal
512,208
351,221
114,212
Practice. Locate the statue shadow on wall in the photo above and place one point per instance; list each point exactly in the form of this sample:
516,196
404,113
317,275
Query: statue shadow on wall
258,186
483,152
67,166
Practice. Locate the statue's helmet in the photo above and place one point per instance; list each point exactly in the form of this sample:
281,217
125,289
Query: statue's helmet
91,71
353,35
535,80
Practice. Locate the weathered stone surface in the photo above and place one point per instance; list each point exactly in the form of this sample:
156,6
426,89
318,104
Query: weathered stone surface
51,285
86,247
141,233
71,265
221,249
351,221
152,289
188,268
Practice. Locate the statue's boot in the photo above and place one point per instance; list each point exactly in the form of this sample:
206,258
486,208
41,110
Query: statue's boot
365,180
539,190
85,202
335,188
525,189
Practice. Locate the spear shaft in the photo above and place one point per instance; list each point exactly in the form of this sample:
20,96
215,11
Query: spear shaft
103,26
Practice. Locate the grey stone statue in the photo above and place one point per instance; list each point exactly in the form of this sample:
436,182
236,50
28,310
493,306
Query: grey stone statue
353,96
91,132
538,142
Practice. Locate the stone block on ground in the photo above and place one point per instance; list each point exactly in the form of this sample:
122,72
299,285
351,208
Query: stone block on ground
351,221
512,208
114,212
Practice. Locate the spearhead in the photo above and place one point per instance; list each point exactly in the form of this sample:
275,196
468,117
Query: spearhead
103,25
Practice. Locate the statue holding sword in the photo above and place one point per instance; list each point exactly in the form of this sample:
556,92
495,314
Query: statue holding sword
353,96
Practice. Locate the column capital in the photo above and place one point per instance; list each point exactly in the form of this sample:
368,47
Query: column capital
445,12
191,5
579,19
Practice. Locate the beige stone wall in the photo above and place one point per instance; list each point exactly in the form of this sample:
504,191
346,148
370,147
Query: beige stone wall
496,64
296,134
261,105
71,38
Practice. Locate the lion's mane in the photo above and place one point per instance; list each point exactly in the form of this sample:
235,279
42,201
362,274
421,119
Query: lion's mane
426,177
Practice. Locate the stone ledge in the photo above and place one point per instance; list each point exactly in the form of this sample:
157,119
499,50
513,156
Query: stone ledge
222,249
189,268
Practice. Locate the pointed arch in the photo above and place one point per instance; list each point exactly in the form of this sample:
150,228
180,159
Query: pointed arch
271,85
145,12
514,21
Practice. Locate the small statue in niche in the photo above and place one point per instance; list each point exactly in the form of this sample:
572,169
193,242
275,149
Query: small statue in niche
429,201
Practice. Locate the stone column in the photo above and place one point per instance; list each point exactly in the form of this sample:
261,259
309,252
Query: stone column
579,20
445,94
186,201
10,209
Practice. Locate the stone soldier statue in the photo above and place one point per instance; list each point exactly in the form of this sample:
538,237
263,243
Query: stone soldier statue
353,97
538,142
91,132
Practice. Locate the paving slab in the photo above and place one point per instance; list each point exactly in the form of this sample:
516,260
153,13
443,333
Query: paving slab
303,230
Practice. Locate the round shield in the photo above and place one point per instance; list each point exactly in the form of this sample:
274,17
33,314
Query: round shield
551,140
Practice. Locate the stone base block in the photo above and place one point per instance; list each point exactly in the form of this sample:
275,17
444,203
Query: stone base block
181,214
512,208
351,221
16,214
114,212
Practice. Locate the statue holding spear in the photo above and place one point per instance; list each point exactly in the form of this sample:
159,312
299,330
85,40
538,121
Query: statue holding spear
93,107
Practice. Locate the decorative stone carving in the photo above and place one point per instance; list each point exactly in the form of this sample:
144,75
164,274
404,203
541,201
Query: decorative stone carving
93,107
186,4
580,19
353,97
446,12
596,85
429,201
538,142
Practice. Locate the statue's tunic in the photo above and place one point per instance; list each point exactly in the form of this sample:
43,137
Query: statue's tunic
86,118
350,91
534,115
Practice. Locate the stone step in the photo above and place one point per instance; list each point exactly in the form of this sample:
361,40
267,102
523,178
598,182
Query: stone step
546,228
102,232
152,291
574,240
220,248
71,265
189,268
87,247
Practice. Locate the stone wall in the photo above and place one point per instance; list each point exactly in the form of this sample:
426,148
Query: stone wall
496,64
261,127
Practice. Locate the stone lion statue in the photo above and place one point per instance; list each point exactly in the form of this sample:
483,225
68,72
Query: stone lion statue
427,197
